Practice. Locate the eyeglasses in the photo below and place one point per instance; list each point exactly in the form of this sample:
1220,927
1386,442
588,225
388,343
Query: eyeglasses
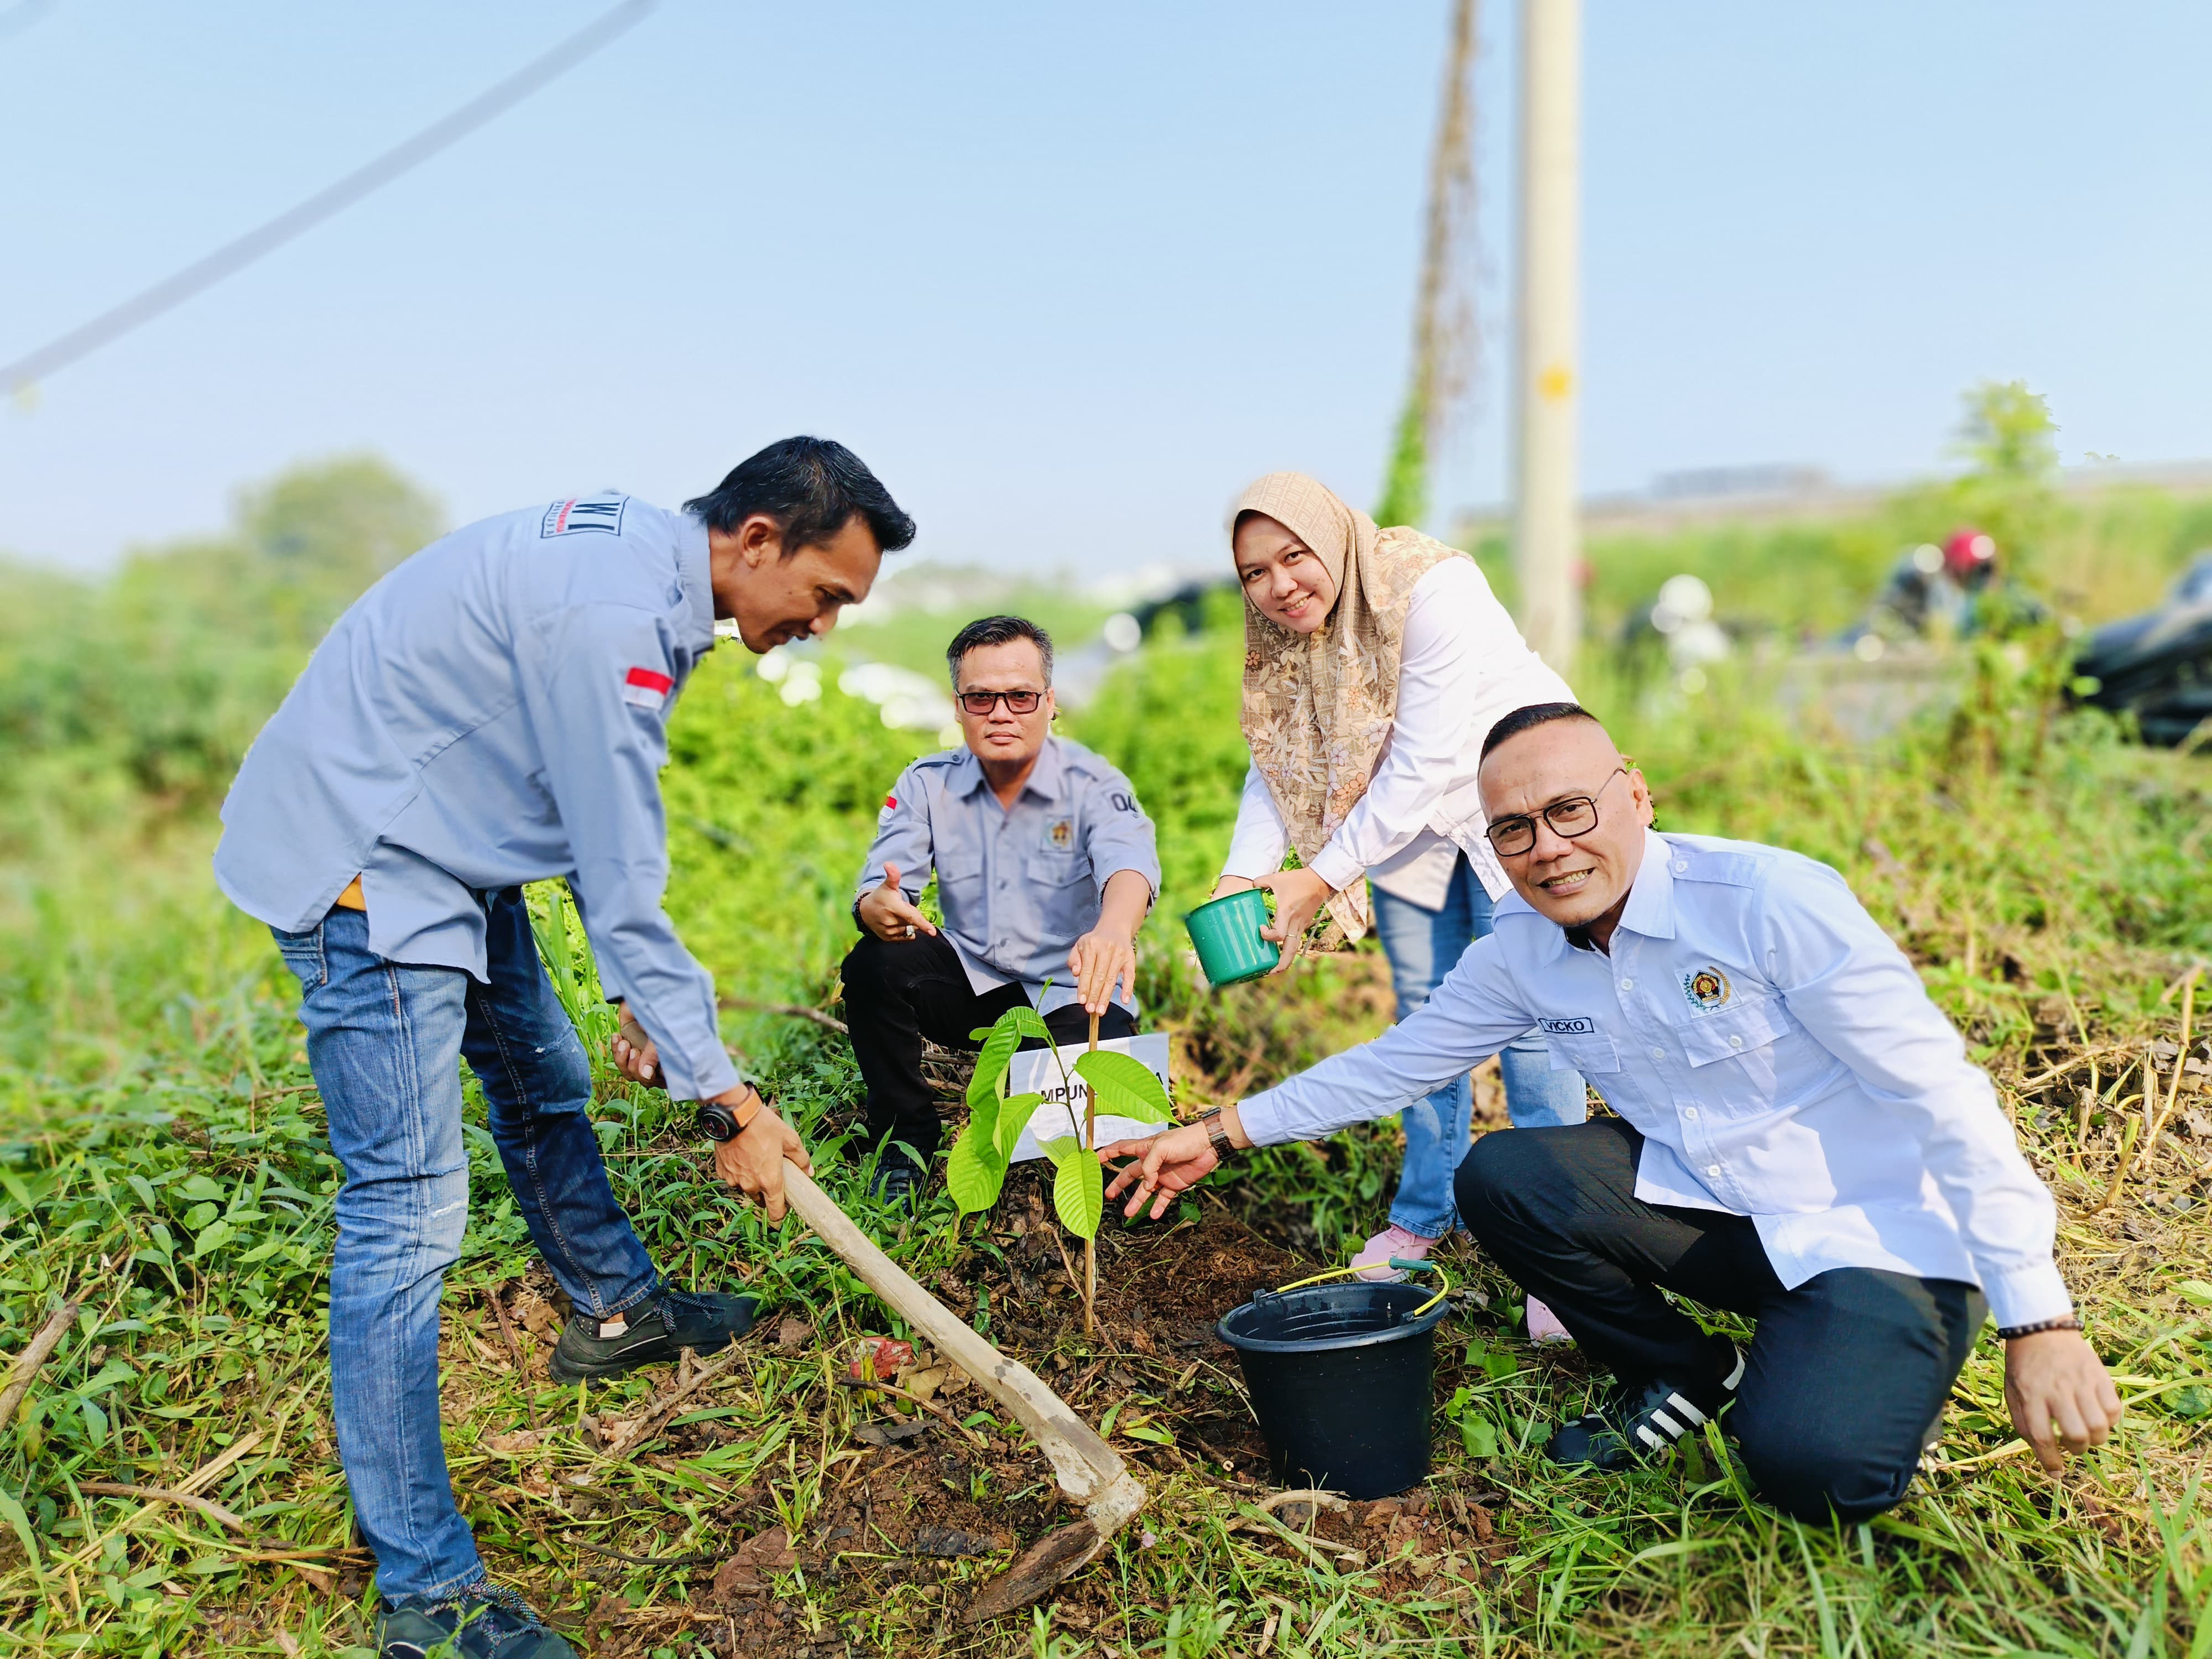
1018,702
1575,816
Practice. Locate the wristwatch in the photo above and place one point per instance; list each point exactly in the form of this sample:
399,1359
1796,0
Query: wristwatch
1211,1123
718,1122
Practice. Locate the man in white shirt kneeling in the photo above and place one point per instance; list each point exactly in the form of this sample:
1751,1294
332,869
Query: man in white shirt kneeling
1801,1139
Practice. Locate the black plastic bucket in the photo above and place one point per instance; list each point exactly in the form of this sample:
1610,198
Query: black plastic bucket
1338,1376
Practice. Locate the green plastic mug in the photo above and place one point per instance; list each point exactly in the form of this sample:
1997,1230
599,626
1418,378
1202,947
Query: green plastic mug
1226,933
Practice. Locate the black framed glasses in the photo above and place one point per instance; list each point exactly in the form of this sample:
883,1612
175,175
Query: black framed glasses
1018,702
1575,816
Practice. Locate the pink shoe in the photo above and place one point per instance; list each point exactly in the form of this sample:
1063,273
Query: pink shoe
1374,1260
1544,1327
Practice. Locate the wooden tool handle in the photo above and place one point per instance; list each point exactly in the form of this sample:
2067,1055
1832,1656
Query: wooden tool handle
1087,1468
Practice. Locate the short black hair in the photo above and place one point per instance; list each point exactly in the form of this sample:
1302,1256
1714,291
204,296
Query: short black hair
997,630
811,486
1529,717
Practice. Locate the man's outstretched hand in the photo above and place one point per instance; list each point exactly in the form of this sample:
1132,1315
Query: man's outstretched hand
753,1161
2055,1380
885,912
1166,1163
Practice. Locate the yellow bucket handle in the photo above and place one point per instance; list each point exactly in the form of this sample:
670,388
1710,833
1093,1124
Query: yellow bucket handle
1401,1262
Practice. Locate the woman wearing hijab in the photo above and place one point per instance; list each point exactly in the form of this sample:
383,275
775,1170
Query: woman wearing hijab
1376,662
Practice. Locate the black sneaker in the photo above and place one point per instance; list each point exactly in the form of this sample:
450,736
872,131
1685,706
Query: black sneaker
897,1181
1637,1423
659,1330
485,1621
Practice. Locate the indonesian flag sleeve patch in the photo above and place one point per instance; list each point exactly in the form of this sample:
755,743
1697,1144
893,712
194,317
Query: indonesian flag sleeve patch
647,688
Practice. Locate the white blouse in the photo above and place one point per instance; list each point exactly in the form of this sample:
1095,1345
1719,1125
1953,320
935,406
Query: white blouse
1463,666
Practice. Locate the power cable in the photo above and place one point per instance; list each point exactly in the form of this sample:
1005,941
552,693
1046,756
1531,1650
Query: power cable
234,257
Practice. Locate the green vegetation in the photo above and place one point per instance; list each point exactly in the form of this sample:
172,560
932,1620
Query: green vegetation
2096,557
162,1158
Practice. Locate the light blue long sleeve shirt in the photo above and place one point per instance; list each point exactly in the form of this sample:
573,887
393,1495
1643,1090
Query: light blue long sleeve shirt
1776,1051
494,711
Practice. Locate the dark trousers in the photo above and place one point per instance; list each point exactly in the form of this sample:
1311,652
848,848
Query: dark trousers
897,992
1845,1374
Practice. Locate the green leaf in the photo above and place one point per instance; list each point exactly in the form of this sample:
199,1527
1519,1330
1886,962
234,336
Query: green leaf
1079,1193
1479,1435
1014,1116
1059,1150
1126,1086
998,1045
1152,1431
12,1513
217,1235
974,1172
1028,1022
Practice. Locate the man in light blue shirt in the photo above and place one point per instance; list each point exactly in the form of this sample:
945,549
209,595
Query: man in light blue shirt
494,712
1045,866
1801,1139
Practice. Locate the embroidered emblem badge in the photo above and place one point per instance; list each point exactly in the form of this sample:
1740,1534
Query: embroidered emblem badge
579,513
1707,989
1061,835
647,689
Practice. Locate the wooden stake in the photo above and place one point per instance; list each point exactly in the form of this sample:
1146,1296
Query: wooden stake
1090,1244
1087,1469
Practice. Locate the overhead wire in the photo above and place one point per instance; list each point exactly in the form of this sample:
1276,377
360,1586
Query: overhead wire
23,374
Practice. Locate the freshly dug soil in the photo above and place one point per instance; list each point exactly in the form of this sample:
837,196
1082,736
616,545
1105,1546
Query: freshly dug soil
923,1509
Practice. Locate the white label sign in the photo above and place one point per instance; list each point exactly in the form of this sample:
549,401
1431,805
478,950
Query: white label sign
1038,1071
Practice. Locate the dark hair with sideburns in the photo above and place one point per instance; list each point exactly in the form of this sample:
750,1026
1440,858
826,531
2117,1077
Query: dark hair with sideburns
997,630
811,486
1529,717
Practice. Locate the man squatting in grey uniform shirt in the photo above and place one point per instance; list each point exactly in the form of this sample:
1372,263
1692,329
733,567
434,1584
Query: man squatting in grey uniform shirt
493,712
1045,866
1801,1139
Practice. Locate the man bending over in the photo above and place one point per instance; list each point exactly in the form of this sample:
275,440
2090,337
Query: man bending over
494,712
1802,1140
1045,865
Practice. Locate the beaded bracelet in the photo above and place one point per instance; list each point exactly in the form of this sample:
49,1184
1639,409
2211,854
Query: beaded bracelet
2064,1322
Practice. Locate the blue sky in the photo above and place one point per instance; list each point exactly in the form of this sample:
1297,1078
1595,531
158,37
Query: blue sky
1067,278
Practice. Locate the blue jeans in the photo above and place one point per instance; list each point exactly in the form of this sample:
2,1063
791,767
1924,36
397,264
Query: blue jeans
1423,946
385,1039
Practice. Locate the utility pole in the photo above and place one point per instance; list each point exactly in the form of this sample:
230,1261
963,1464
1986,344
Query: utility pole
1443,313
1546,532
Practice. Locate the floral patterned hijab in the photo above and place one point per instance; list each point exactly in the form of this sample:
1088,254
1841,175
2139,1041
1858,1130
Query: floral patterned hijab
1318,707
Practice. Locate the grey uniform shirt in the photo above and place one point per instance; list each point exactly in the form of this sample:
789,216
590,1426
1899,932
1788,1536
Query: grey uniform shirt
495,711
1018,885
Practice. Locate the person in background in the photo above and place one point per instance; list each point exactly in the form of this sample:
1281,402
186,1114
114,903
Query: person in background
1045,864
494,712
1952,592
1802,1140
1376,662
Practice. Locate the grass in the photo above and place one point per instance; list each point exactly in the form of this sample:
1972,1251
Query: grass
162,1152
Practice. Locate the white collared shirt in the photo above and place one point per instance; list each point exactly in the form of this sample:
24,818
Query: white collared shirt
1776,1051
1462,667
